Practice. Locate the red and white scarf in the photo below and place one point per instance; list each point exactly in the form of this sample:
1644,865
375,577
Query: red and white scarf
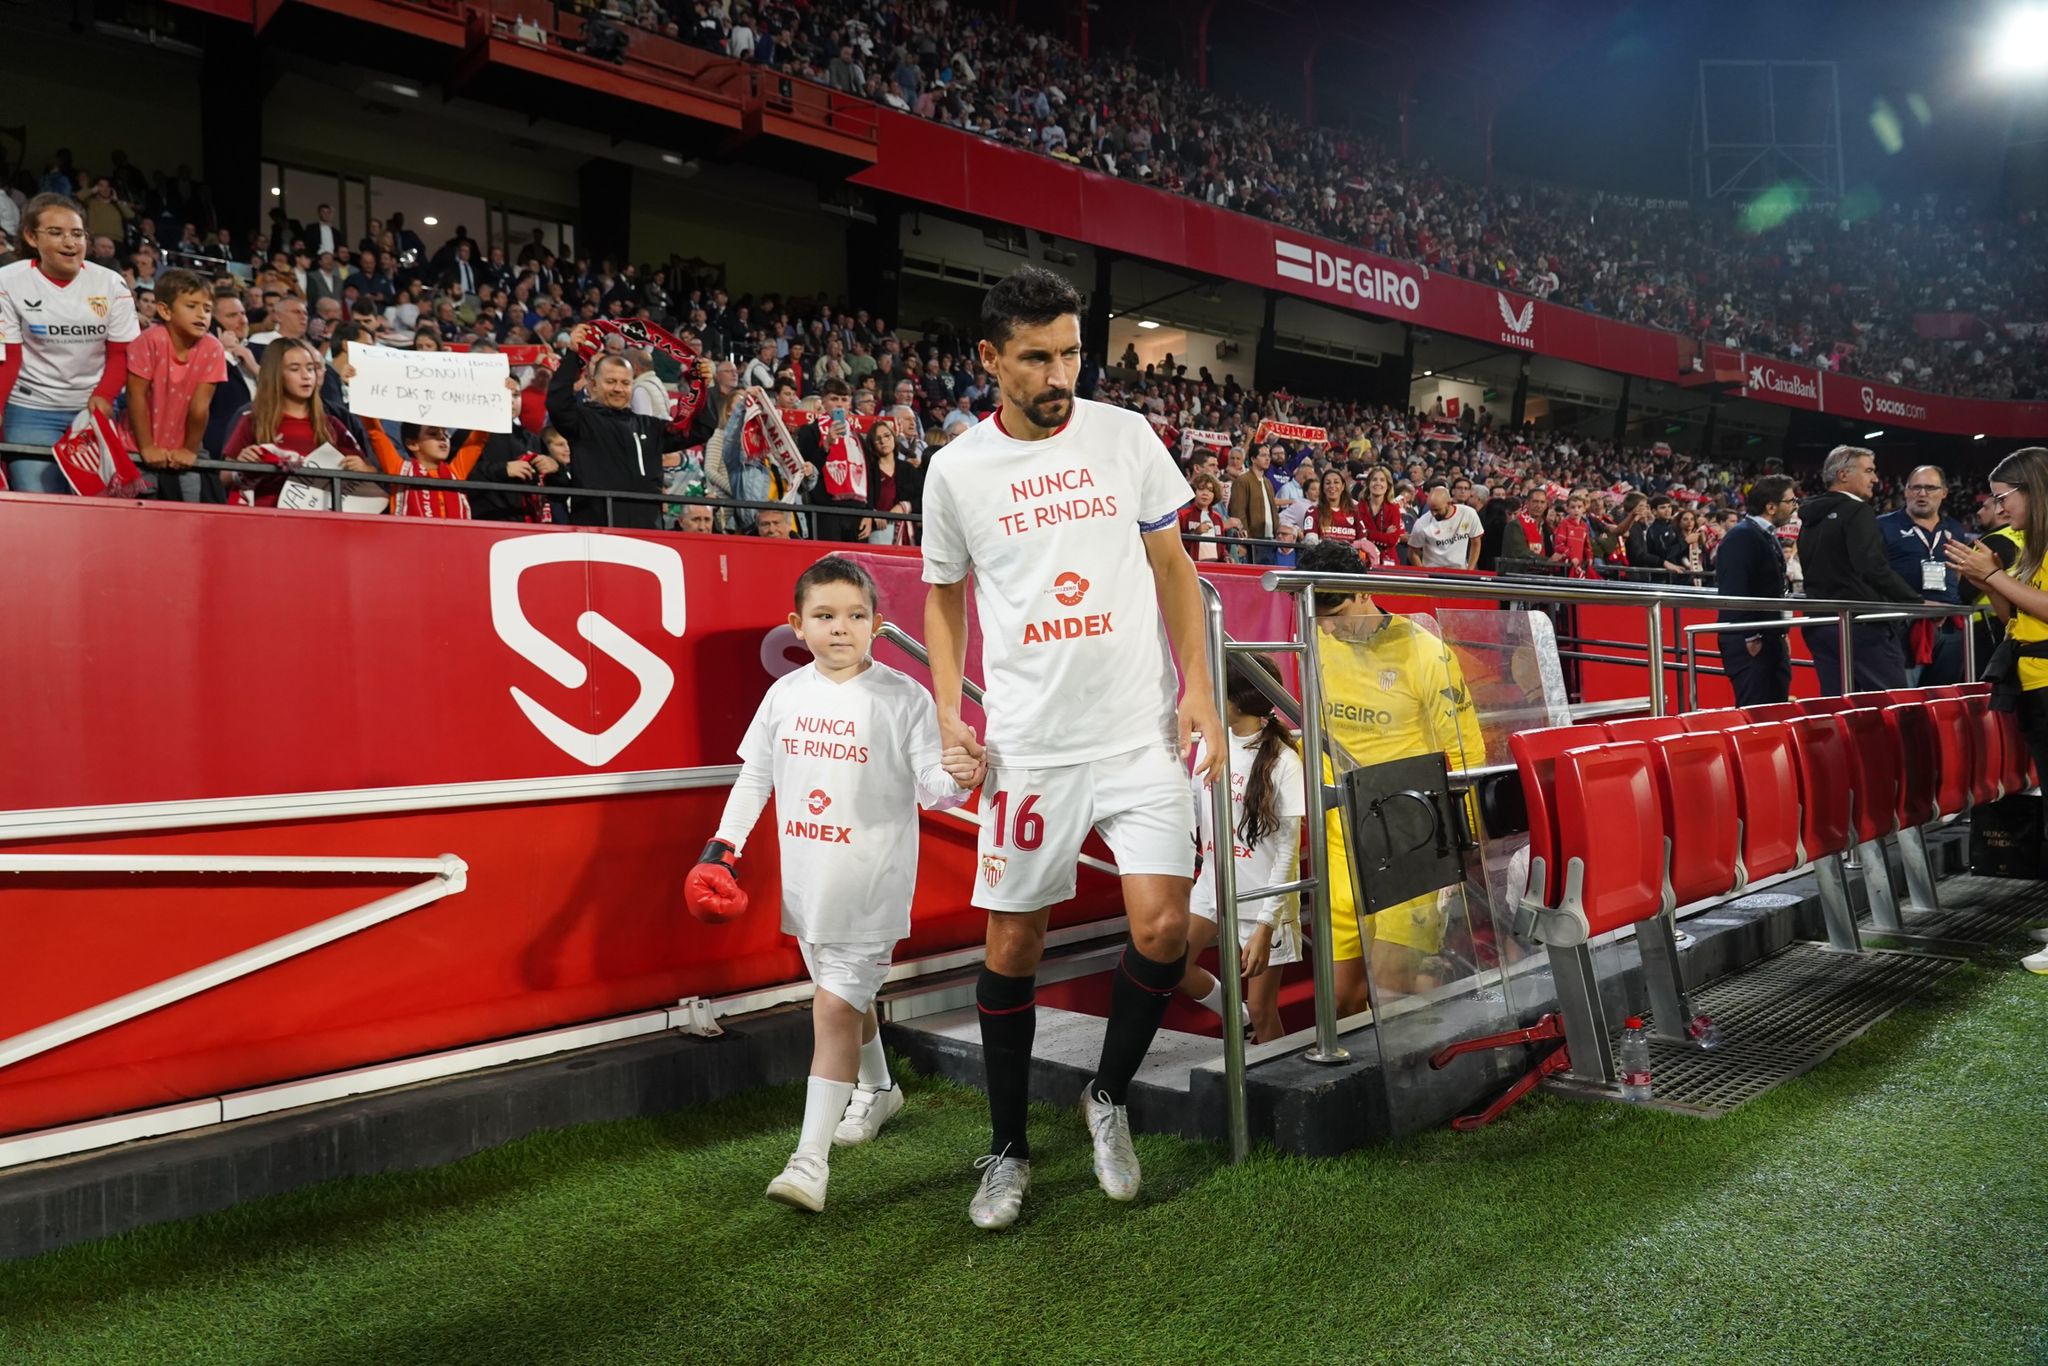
94,457
646,336
1291,431
415,501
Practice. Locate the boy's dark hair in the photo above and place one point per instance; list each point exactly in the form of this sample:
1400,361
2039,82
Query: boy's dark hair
833,569
174,285
835,388
1770,489
1330,557
1029,295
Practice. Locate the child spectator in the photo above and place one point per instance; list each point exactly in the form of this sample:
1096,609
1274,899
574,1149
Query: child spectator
1267,809
172,370
849,749
286,418
427,457
74,355
1202,518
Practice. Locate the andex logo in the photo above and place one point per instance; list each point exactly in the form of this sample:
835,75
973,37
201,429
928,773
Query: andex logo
512,558
1374,284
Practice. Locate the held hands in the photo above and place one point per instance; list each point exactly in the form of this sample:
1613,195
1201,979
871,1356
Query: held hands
962,755
712,891
519,469
355,464
546,464
1196,715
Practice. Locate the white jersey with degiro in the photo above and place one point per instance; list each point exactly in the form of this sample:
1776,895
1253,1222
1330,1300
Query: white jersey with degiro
1073,648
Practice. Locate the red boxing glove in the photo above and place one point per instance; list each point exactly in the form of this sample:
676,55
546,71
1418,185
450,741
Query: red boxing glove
711,891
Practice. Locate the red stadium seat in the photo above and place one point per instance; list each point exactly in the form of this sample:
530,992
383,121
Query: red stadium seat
1622,862
1645,727
1866,699
1767,794
1720,719
1535,753
1912,726
1874,750
1987,773
1824,706
1955,738
1971,689
1778,711
1696,784
1825,772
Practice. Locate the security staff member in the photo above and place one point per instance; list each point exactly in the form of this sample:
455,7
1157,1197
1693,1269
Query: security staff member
1913,541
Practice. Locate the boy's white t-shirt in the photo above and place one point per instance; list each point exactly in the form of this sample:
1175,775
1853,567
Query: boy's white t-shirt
1074,655
1274,859
849,764
63,331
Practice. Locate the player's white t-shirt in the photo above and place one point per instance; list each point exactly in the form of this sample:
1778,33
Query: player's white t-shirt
1073,648
63,331
849,764
1277,856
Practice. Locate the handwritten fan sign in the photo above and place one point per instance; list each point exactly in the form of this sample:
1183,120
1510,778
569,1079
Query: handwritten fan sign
451,389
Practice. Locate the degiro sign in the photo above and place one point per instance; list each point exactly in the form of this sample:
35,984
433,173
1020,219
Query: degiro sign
1374,284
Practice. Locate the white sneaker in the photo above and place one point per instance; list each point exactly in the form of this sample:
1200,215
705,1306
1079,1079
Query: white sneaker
2040,935
2036,962
1115,1160
866,1113
802,1183
1000,1198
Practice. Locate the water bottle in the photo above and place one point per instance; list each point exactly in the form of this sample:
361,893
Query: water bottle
1634,1060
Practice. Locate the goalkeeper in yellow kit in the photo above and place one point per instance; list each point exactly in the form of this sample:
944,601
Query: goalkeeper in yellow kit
1391,690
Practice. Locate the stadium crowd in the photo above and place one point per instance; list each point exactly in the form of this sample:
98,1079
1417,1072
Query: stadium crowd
1534,500
1815,285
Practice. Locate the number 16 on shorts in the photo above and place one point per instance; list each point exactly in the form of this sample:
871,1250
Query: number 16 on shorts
1015,875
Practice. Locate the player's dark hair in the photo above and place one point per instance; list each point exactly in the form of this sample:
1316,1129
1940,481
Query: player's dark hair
1770,489
833,569
1330,557
1030,296
1261,798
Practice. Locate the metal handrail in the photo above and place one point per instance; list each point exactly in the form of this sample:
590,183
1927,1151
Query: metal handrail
1569,591
1224,864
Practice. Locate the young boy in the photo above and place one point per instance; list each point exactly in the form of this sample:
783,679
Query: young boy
849,748
172,369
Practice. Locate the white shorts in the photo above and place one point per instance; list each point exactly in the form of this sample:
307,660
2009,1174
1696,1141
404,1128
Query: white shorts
852,972
1033,821
1286,944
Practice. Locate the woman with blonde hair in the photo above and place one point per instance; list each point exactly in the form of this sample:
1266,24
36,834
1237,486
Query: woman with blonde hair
2018,671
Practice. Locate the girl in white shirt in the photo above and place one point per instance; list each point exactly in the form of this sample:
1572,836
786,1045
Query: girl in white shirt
1267,803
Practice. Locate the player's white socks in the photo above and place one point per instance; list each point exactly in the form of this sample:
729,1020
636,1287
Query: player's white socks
824,1106
874,1065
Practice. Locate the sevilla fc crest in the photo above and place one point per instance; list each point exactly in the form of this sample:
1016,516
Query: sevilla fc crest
1389,678
992,866
98,304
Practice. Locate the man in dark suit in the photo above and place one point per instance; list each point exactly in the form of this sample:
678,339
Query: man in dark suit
1751,564
1841,553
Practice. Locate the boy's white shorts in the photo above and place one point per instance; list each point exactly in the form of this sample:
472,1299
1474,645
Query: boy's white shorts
852,972
1031,838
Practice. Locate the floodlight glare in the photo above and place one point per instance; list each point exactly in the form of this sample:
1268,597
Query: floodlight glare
2019,45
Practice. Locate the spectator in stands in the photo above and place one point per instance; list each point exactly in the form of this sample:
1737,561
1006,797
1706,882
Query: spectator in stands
1693,546
898,486
1523,545
286,419
515,457
1914,537
1446,535
775,524
1335,517
65,324
1202,522
1751,564
960,417
1379,516
835,452
428,455
650,395
1252,510
173,369
760,371
1842,553
287,321
616,449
